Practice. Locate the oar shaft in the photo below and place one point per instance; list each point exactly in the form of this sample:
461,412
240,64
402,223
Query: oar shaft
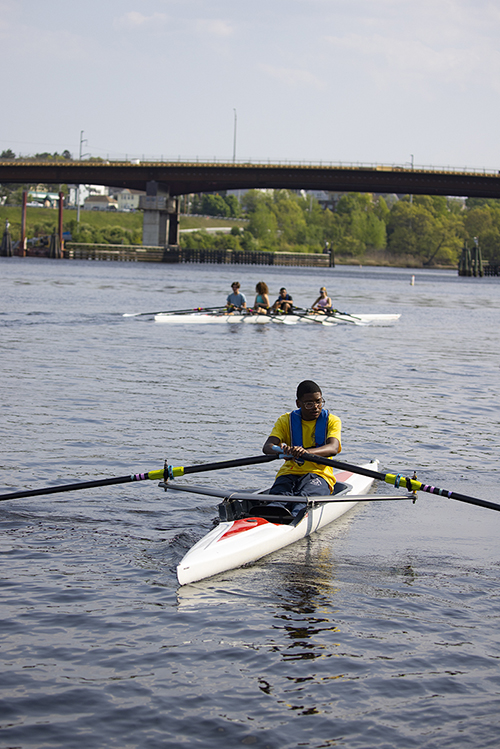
181,471
400,481
174,312
83,485
162,474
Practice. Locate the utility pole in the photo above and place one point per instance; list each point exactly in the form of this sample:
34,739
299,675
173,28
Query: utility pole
411,196
234,138
82,141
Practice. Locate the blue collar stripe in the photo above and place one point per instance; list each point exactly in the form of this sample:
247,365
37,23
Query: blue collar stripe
319,432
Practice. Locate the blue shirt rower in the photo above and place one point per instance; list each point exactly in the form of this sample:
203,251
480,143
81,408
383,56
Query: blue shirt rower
236,299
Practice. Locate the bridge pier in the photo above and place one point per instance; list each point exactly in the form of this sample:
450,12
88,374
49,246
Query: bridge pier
160,224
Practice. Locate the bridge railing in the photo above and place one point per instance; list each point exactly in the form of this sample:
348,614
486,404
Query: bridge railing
265,163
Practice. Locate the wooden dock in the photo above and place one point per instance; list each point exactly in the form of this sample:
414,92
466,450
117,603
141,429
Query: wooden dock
134,254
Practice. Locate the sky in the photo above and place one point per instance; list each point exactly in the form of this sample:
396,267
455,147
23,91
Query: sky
331,81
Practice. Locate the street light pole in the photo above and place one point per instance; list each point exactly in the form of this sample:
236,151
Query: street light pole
82,141
411,196
234,138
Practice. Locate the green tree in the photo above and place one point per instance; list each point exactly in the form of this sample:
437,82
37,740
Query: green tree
214,205
424,230
234,205
360,225
263,226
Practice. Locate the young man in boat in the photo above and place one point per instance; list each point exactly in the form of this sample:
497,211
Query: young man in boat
236,300
313,429
284,303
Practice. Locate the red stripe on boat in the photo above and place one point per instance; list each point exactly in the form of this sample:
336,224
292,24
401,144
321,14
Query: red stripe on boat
244,524
343,475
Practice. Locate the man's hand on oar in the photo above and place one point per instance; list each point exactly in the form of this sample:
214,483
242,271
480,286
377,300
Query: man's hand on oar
163,474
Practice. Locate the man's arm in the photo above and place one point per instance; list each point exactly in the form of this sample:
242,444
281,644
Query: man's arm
330,448
268,445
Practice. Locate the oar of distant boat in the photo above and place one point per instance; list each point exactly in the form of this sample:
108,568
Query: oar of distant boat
175,311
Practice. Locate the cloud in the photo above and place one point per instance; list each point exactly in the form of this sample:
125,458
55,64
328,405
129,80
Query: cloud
214,27
458,55
135,20
293,77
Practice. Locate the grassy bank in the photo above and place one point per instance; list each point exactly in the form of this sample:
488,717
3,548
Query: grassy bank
127,228
43,221
384,259
207,222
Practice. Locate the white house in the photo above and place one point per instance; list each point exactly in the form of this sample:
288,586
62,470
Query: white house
100,203
128,200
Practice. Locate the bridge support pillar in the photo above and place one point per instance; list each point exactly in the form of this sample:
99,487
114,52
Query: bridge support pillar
160,224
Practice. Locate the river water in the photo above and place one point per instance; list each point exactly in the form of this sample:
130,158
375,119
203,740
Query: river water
380,631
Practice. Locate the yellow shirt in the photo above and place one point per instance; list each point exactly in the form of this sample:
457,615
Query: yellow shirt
281,430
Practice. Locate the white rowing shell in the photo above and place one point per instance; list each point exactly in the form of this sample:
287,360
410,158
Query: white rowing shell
234,543
201,318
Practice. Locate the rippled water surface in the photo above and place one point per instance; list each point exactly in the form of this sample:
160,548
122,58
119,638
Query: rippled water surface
380,631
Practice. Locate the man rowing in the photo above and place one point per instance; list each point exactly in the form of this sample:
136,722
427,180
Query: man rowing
236,300
284,303
313,429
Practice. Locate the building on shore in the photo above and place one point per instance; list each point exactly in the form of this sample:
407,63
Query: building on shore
100,203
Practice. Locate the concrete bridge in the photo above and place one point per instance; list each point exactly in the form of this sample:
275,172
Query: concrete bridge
163,182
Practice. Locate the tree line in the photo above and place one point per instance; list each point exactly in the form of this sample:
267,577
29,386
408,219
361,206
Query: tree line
423,230
9,155
410,230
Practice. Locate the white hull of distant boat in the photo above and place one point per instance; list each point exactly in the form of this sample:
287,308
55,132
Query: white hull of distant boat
236,542
208,318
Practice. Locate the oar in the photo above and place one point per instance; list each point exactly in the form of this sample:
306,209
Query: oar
175,311
165,473
335,313
400,481
85,485
305,315
346,314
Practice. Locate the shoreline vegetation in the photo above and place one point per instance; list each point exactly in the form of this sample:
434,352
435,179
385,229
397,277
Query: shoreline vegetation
360,228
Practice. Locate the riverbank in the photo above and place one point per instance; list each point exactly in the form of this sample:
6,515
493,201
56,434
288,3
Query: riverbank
42,222
137,253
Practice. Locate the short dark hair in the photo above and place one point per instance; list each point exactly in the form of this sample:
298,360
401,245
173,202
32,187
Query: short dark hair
307,386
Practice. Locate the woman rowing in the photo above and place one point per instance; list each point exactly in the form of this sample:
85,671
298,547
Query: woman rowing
323,303
261,304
